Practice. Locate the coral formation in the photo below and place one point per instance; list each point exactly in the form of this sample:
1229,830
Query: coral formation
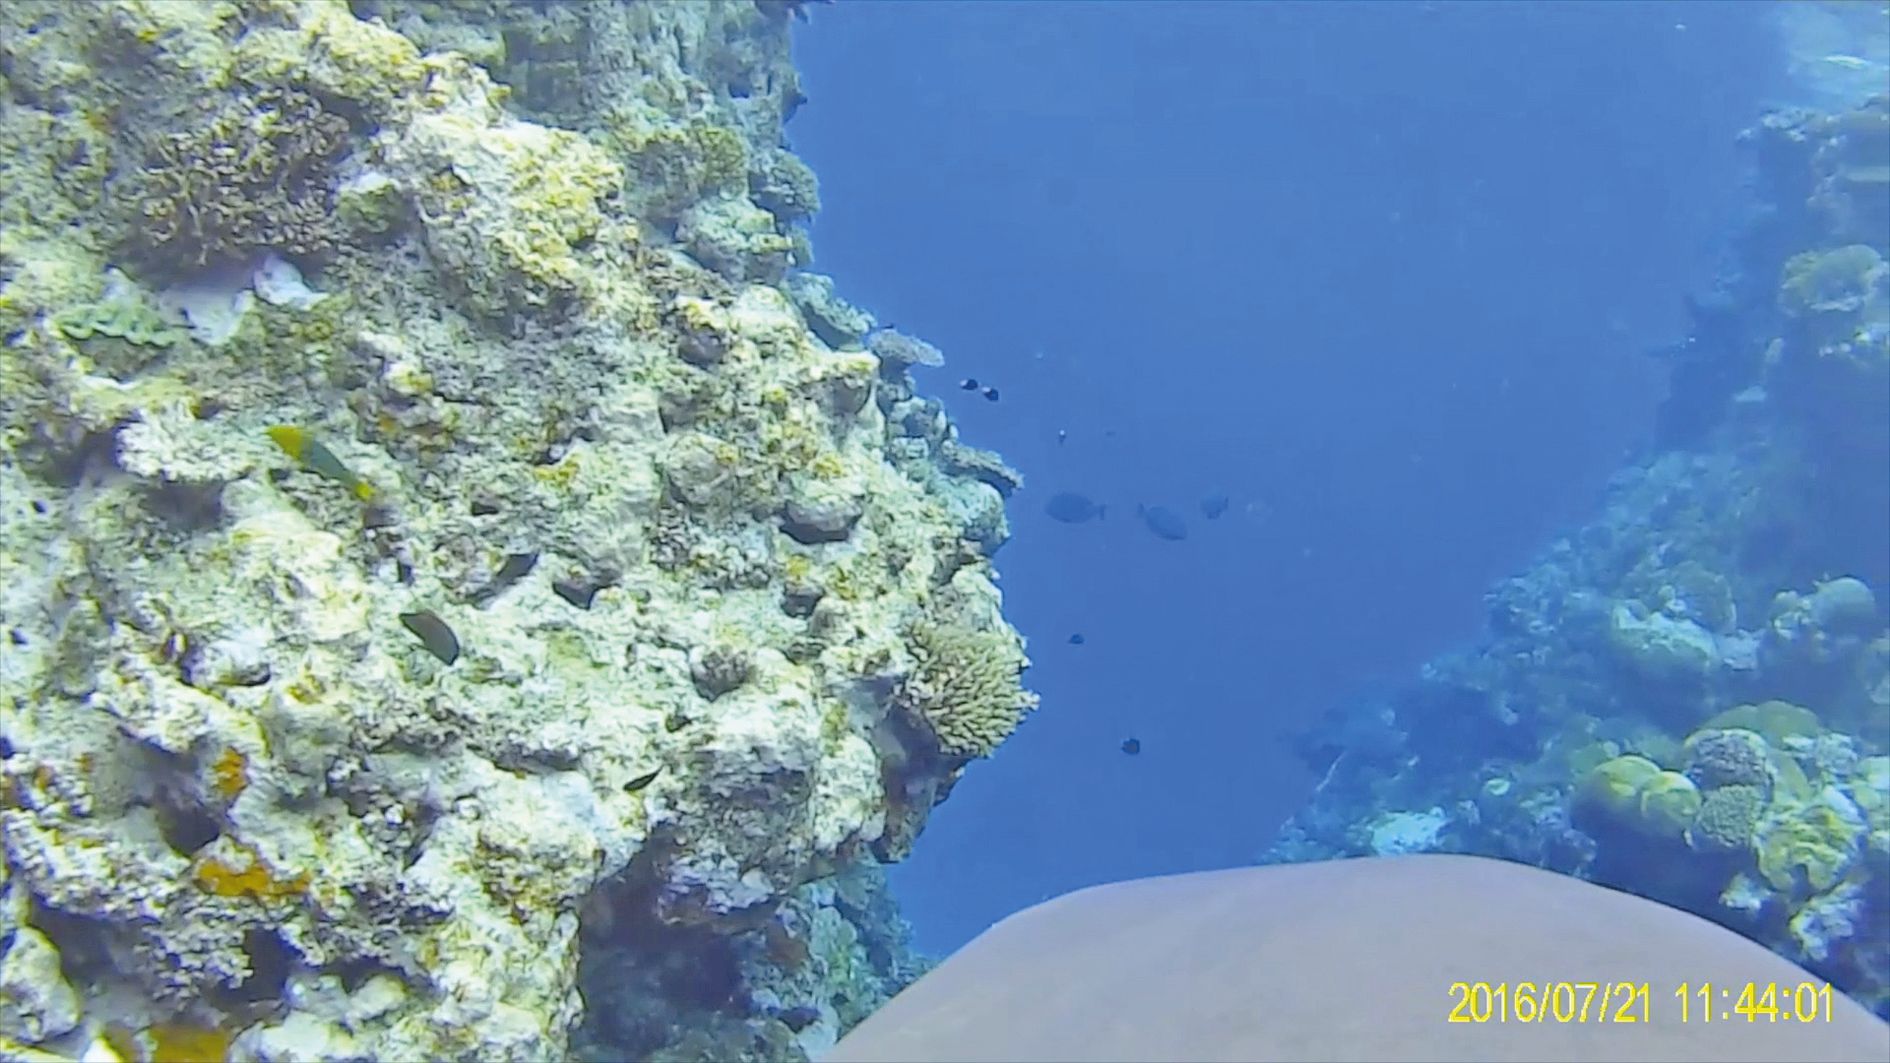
452,564
1689,696
963,687
258,176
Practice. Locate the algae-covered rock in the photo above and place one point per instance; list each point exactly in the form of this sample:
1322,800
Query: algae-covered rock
499,585
1827,282
1661,647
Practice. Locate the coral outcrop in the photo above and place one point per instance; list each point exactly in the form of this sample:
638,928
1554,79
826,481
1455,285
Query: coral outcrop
455,570
1689,697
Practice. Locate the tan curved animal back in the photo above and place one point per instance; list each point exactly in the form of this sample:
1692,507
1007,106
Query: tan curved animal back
1356,960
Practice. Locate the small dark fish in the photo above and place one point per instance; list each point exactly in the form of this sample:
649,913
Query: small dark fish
970,383
991,394
799,1017
1132,746
1062,437
1164,522
1077,639
641,781
1214,505
1072,508
516,567
433,634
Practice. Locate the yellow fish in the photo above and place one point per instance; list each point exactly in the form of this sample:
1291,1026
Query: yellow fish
305,448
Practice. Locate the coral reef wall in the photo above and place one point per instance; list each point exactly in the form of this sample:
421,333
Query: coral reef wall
1690,696
466,592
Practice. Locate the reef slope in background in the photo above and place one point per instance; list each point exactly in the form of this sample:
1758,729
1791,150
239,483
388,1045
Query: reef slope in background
1689,697
466,592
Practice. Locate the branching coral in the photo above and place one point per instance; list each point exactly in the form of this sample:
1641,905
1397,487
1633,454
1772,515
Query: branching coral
258,176
965,687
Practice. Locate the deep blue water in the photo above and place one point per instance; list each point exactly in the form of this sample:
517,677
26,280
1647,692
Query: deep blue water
1384,274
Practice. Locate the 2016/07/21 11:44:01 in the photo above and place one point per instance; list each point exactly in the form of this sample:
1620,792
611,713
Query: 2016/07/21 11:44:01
1755,1002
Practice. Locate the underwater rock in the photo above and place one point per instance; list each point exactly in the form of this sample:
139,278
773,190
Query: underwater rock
1661,647
901,351
837,322
1671,657
334,824
1407,832
820,513
35,999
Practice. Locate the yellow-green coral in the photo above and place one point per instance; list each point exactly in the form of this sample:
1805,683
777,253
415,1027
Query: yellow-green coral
1807,846
1667,805
1613,787
965,687
678,166
229,774
510,208
128,319
168,1041
1774,721
1823,281
252,878
1633,792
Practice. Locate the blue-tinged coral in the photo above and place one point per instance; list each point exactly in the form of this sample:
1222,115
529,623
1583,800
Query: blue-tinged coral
1732,757
1689,696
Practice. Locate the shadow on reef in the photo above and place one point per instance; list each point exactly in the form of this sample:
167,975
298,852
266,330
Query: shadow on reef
829,955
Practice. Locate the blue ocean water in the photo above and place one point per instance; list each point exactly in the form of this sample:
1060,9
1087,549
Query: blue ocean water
1387,275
